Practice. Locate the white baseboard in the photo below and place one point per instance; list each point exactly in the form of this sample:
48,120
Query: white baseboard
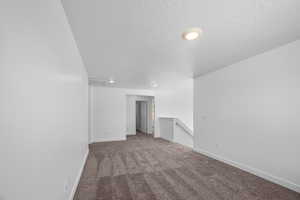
280,181
74,188
109,140
130,134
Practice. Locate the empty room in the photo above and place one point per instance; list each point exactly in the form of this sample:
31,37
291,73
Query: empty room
149,100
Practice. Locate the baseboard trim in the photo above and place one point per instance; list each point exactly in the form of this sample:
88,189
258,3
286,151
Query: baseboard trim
280,181
130,135
74,188
109,140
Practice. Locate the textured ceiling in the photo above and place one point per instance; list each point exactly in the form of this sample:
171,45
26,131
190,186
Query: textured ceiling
139,41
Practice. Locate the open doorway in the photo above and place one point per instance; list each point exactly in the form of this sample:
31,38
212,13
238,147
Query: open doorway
141,109
140,115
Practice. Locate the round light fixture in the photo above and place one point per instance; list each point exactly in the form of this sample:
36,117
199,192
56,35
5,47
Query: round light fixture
111,81
154,85
192,34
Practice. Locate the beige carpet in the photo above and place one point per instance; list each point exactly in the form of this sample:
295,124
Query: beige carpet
144,168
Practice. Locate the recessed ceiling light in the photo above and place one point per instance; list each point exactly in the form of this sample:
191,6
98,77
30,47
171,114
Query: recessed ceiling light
154,84
111,81
192,34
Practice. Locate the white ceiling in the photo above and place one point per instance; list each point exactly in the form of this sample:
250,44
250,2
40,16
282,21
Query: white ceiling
139,41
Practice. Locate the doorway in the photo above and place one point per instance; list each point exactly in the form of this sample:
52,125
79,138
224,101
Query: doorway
141,117
140,114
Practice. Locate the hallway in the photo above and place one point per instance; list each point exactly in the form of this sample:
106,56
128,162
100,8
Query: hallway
147,168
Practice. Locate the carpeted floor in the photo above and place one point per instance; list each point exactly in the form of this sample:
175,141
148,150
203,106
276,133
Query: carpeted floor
144,168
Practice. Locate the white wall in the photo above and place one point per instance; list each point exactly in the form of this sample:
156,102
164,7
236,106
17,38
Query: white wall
182,137
91,113
249,113
43,104
110,112
166,128
175,102
174,130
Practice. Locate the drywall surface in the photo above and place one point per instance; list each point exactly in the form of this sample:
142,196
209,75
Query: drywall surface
90,111
248,114
109,112
167,128
182,135
175,102
171,129
43,104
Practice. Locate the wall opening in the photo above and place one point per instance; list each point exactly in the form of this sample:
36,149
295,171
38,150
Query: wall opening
140,114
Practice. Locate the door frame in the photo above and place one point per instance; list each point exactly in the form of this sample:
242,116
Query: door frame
131,113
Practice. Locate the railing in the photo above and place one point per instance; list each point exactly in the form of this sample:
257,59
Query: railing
175,130
183,126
